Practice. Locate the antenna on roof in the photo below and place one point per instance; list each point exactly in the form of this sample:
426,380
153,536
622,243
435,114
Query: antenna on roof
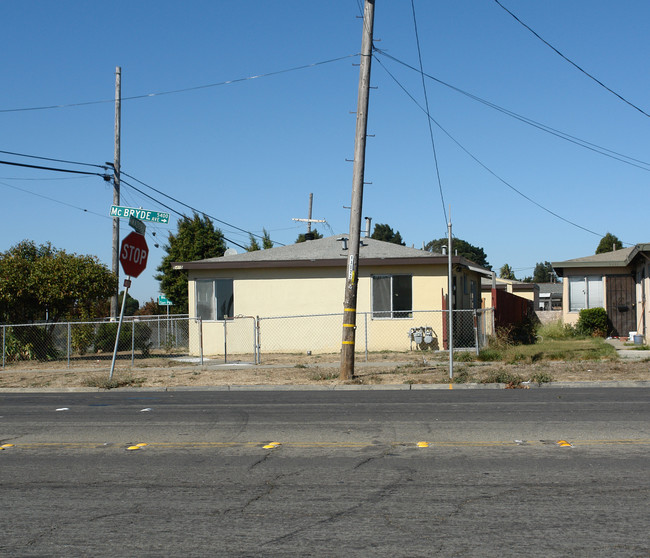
309,220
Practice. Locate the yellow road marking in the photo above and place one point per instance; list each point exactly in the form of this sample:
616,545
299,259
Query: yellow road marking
323,445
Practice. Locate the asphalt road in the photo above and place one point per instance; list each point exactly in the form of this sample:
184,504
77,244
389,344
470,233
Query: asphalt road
347,478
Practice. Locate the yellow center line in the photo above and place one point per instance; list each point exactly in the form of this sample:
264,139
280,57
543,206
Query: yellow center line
324,445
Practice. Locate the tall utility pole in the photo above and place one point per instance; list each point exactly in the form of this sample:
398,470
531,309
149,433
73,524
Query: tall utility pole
309,220
352,275
116,187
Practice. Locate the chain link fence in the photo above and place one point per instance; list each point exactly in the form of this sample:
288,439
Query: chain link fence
242,338
75,342
421,331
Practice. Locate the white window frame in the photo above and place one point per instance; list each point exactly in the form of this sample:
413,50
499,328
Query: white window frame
588,290
391,313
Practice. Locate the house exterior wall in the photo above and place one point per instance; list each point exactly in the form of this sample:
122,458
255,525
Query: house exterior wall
569,317
308,291
642,292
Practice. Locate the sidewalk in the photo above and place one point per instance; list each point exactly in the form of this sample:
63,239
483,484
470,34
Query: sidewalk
628,351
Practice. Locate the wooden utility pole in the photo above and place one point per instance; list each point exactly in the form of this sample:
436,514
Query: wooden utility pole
309,220
352,274
116,187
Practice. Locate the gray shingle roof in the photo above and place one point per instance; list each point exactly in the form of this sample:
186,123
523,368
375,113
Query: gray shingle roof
617,258
324,251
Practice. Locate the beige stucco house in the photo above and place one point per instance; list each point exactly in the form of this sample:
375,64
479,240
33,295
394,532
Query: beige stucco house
617,281
399,288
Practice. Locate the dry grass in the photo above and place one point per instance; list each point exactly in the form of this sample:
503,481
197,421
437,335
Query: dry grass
317,370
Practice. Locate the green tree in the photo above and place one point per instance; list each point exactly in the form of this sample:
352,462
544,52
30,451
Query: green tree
131,306
386,233
196,239
254,245
150,308
544,273
314,232
506,272
609,243
464,248
39,282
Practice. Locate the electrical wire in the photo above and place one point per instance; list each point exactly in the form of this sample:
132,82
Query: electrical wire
52,159
503,181
590,76
638,163
103,175
186,89
182,215
54,200
426,102
192,208
107,177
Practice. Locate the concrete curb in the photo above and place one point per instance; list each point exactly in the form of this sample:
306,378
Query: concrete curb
346,387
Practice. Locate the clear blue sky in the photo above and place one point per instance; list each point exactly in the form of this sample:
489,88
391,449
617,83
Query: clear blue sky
249,153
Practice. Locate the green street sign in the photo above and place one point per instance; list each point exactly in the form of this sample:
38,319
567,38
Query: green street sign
164,301
141,214
138,225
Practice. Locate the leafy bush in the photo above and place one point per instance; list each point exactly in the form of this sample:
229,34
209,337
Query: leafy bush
106,332
82,336
593,322
30,343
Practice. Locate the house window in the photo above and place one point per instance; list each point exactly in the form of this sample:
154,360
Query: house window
214,299
585,292
392,296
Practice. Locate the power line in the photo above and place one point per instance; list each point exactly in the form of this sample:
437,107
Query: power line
107,177
426,101
52,159
54,200
122,181
506,183
192,208
590,76
104,176
535,124
186,89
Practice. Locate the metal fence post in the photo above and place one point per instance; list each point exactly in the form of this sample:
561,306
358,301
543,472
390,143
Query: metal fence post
132,342
258,346
201,339
225,342
365,325
69,342
476,331
4,329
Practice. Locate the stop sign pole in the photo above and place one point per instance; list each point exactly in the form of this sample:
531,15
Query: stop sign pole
133,257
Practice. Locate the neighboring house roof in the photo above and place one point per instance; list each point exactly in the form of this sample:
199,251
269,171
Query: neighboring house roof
486,285
327,251
550,289
617,258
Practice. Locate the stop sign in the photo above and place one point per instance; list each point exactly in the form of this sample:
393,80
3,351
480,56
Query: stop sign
133,254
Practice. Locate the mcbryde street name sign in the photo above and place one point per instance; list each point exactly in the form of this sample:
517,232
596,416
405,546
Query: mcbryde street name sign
142,214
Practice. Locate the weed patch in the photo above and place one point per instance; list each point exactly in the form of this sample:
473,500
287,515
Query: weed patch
116,382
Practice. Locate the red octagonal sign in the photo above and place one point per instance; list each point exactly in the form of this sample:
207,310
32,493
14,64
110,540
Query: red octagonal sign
133,254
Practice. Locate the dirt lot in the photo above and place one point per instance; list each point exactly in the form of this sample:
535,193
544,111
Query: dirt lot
319,370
